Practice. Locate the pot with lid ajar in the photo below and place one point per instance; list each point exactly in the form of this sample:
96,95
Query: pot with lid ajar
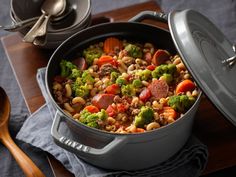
197,47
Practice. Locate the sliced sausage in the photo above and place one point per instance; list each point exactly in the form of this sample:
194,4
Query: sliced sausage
159,88
102,101
160,57
80,63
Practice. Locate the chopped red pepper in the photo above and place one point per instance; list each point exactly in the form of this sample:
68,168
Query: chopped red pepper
145,95
111,111
113,89
151,67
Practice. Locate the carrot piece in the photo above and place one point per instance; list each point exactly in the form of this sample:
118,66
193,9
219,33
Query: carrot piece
111,44
106,59
168,112
139,130
92,109
160,57
184,86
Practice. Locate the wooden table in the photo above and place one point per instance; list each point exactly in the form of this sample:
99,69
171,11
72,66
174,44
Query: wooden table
210,126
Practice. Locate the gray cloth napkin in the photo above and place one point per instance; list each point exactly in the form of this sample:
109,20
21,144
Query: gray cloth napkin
188,162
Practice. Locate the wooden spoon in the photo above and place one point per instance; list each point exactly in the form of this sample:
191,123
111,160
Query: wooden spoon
26,164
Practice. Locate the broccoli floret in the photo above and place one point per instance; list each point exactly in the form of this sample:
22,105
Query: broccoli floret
66,68
87,78
91,53
137,83
113,76
80,89
181,103
120,81
128,90
145,116
102,115
91,119
143,74
167,77
162,69
75,73
134,51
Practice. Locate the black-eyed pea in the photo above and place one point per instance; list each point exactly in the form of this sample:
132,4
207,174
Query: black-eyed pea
68,90
152,126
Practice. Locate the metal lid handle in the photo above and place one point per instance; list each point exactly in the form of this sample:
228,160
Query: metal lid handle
232,60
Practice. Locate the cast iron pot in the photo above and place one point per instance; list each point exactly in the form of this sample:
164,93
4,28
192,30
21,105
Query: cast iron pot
111,150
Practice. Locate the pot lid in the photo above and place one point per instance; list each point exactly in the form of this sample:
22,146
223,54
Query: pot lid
209,57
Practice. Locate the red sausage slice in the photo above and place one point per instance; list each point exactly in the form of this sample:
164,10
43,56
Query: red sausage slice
160,57
80,63
102,101
159,88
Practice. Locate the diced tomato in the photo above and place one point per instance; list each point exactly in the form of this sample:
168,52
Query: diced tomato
121,107
151,67
145,95
111,111
106,59
92,109
113,89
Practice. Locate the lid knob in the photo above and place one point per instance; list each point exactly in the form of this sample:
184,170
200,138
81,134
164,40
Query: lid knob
231,61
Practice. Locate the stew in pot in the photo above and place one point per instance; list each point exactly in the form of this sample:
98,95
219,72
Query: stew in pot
124,87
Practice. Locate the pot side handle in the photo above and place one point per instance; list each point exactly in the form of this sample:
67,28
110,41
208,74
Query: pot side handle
79,148
159,16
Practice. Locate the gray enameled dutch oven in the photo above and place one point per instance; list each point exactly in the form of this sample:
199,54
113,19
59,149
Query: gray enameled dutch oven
200,47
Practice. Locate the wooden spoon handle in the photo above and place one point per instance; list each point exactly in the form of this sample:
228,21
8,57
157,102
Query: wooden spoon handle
26,164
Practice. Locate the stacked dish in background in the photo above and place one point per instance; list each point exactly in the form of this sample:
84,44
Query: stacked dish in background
77,16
